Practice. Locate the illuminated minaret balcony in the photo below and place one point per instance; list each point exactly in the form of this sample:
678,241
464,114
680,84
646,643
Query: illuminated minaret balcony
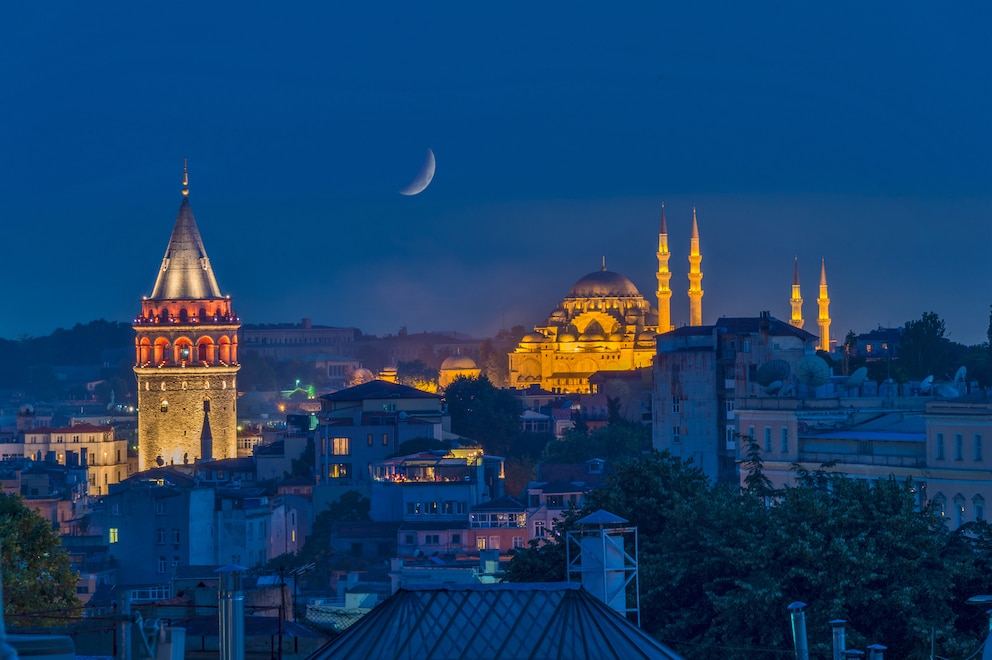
797,299
695,276
823,301
664,277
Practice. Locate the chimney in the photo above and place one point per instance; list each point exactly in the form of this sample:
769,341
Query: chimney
837,625
231,610
875,652
799,630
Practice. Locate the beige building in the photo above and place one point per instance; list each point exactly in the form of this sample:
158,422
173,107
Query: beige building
938,443
95,447
186,357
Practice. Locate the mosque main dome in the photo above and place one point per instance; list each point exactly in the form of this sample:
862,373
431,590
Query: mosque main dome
603,284
596,327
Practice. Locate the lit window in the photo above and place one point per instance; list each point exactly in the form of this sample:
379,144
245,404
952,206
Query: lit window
480,542
114,535
494,543
339,470
164,406
341,446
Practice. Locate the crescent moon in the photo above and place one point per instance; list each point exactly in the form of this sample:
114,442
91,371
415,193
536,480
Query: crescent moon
424,177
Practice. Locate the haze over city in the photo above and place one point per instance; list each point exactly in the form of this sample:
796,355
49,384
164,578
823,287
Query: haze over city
811,132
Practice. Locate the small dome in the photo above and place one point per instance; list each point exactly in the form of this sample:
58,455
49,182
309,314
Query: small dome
594,332
458,362
615,336
646,338
601,284
566,336
532,338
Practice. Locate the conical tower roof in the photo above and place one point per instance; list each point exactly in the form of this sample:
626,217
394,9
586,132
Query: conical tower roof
186,273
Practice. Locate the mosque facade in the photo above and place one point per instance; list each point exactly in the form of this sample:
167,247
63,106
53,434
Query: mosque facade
186,357
603,324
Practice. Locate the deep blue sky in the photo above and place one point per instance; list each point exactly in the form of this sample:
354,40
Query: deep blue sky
859,133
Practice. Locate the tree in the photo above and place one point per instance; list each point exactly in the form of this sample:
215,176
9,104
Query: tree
481,412
923,349
38,583
418,374
719,566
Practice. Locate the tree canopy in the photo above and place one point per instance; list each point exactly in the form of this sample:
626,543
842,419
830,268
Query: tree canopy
719,566
38,583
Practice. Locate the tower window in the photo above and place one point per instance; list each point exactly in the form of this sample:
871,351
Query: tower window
164,406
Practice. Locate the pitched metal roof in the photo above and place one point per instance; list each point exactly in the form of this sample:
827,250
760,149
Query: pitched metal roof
186,273
493,622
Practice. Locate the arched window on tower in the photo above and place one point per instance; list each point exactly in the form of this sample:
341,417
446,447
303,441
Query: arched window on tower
225,350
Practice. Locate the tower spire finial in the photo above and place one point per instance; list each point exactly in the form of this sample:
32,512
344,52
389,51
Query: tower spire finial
604,262
185,179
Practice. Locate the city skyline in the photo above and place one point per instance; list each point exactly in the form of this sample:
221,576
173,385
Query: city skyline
831,133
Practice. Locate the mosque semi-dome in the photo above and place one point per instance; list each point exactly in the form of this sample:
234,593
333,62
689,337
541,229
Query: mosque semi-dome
603,284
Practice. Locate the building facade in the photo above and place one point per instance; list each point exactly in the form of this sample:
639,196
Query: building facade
92,447
186,357
701,371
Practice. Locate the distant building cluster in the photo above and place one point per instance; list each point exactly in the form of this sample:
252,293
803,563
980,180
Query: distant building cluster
204,475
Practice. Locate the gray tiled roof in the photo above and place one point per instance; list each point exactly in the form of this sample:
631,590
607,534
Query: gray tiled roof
493,621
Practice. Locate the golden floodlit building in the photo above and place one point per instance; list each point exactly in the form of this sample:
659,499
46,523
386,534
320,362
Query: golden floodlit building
186,357
603,324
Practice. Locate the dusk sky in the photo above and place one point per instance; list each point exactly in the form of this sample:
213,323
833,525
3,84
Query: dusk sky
857,132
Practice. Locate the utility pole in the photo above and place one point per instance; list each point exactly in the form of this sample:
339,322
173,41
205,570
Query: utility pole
282,607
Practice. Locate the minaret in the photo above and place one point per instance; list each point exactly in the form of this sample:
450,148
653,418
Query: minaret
824,302
664,277
797,299
695,276
186,356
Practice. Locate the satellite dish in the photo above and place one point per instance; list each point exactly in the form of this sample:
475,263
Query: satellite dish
947,391
773,387
926,384
772,371
812,371
960,374
859,376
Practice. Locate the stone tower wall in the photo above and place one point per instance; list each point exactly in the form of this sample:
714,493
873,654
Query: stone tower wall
176,432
